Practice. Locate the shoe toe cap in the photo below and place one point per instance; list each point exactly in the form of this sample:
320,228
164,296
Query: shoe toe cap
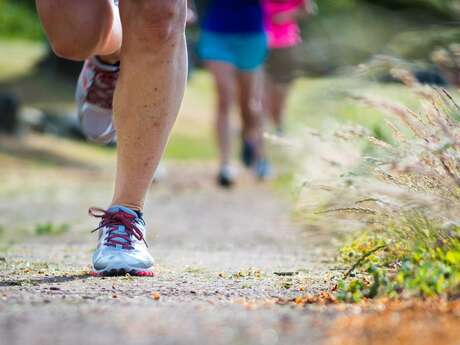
118,259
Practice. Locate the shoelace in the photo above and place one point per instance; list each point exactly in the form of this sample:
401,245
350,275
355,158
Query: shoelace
102,87
112,221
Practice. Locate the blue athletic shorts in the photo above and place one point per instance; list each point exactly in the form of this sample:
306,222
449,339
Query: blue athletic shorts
245,51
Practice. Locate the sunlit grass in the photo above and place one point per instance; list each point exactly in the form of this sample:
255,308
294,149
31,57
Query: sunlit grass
183,147
315,102
18,57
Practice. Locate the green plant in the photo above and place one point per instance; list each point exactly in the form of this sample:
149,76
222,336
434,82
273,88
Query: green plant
51,229
426,271
402,197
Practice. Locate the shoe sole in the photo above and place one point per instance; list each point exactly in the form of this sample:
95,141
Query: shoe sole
227,184
122,272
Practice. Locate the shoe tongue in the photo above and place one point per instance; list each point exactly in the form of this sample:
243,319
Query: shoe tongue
120,228
118,208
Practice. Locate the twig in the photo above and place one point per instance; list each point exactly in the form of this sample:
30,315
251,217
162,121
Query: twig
367,200
447,94
349,209
361,259
285,274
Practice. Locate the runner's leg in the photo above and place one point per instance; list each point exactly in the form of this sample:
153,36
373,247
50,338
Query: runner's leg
80,29
275,102
224,79
251,112
149,91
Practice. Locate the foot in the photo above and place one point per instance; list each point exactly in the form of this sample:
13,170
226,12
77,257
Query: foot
226,177
279,132
94,96
248,153
121,248
262,169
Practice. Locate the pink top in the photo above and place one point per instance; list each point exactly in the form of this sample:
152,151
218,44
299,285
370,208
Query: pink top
282,35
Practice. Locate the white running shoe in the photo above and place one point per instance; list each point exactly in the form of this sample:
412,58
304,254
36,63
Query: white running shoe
121,247
226,176
94,97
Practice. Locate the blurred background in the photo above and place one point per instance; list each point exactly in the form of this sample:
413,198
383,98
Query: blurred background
348,45
345,33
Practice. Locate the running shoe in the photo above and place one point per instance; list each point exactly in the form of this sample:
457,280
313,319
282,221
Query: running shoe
263,169
94,97
121,247
280,132
226,177
248,153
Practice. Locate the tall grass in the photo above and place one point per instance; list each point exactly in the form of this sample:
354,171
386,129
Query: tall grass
401,196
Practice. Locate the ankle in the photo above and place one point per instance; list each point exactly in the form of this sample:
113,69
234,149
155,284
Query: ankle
135,207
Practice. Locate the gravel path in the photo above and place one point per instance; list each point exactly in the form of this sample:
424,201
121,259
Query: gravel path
223,258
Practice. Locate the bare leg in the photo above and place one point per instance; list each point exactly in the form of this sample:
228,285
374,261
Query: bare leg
80,29
251,112
275,101
224,78
149,91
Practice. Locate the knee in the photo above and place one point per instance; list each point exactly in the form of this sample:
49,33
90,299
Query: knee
74,29
159,20
71,52
252,108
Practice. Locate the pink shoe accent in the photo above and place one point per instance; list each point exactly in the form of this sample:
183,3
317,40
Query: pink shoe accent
101,87
112,220
145,274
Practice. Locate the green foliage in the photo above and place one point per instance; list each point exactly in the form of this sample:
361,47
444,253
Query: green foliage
423,264
50,229
420,44
440,8
18,20
357,289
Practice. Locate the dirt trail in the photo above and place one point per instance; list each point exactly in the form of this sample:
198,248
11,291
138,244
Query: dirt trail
217,255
